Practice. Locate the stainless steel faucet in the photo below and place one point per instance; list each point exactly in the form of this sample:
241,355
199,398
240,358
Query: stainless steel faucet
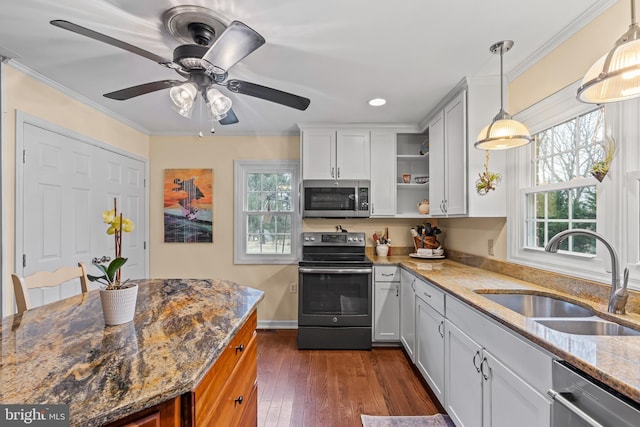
619,295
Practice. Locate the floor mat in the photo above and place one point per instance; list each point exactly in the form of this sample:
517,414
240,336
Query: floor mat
437,420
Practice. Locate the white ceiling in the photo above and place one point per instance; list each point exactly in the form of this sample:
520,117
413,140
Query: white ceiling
338,53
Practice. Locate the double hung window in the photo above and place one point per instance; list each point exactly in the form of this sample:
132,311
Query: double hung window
267,220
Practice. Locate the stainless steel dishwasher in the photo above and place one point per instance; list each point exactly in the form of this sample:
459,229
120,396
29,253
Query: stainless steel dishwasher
579,400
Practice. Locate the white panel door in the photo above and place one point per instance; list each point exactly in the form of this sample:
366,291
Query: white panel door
67,183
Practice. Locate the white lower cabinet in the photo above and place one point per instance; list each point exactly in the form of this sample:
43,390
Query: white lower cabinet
462,383
386,303
408,312
484,375
508,399
430,346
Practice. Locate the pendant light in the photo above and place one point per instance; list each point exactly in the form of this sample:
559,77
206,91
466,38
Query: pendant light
616,75
503,132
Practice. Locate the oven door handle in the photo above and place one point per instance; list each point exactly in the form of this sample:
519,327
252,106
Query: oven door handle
557,397
314,270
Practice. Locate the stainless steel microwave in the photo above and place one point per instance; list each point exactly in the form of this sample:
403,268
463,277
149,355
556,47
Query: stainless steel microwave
335,199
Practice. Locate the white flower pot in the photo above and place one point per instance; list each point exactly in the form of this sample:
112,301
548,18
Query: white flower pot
119,305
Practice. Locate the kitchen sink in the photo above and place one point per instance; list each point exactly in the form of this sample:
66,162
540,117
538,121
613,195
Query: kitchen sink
587,327
530,305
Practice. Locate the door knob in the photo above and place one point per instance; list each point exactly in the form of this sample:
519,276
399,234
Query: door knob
97,260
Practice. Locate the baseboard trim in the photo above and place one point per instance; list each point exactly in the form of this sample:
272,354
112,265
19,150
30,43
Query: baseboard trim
277,324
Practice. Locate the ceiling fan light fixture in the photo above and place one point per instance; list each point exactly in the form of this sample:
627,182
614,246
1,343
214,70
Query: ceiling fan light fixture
503,132
183,98
219,104
616,75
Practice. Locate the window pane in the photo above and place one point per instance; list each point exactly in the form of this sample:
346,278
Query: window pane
584,202
584,244
558,204
555,228
540,205
269,182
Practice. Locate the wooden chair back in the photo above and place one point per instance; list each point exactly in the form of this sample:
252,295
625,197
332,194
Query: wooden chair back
45,279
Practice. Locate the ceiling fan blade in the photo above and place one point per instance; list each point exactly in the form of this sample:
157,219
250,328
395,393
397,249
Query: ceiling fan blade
234,44
133,91
230,119
268,94
110,40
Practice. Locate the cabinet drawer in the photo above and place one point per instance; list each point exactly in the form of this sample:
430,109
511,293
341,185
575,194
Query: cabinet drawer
236,395
210,388
386,273
431,295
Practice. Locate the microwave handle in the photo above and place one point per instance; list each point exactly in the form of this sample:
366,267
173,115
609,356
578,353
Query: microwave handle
299,198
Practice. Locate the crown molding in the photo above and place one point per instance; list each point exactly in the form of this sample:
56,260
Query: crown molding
574,26
76,96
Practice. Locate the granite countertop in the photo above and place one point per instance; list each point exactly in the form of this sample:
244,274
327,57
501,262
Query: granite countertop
62,353
614,360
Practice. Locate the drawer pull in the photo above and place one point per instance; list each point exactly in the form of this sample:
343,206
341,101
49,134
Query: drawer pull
387,274
238,400
426,295
240,348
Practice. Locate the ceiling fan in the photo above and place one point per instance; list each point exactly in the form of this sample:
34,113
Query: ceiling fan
210,48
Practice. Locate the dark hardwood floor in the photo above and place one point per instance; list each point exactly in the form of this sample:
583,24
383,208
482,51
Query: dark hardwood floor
327,388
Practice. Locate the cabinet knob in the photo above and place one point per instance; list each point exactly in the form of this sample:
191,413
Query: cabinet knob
238,400
240,348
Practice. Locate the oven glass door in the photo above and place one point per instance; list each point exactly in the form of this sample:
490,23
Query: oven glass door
334,296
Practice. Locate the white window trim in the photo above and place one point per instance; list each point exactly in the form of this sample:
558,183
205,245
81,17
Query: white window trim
553,110
241,169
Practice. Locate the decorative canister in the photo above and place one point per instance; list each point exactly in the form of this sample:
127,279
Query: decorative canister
382,250
423,207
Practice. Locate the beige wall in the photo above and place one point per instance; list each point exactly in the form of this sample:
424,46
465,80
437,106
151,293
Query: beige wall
28,95
215,260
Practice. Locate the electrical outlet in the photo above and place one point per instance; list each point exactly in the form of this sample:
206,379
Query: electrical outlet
490,247
293,287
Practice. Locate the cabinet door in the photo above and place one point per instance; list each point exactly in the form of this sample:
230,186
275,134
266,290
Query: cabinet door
407,312
386,311
462,380
318,154
353,151
383,173
430,346
456,155
437,182
506,398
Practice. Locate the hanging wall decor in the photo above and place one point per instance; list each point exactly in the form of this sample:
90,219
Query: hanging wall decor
600,168
487,180
188,205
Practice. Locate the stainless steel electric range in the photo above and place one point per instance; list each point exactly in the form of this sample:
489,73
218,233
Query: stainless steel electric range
335,280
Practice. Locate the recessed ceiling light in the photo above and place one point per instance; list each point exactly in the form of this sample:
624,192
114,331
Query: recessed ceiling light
377,102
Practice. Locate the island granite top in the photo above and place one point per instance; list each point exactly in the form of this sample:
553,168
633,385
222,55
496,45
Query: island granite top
62,353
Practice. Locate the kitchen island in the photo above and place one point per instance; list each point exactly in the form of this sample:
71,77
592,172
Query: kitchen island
158,366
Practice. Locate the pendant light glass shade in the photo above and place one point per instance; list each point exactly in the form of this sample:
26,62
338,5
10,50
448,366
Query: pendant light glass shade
616,75
503,132
183,98
219,105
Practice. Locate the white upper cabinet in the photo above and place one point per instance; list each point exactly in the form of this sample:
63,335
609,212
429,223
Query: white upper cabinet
318,154
382,195
335,154
448,159
454,163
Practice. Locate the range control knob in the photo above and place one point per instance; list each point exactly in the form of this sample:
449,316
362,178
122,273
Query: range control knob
334,320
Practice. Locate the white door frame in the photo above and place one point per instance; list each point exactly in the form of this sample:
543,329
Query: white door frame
24,118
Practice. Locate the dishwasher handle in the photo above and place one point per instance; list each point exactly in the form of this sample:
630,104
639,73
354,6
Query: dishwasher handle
559,398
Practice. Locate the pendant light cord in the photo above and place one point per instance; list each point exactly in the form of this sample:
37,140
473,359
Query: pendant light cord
633,13
501,80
